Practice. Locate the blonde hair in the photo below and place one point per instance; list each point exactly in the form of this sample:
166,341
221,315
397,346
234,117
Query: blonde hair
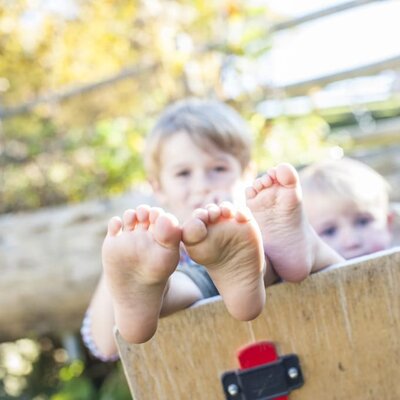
348,179
204,121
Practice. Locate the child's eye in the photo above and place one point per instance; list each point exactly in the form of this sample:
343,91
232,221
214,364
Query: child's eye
363,220
329,232
220,168
183,173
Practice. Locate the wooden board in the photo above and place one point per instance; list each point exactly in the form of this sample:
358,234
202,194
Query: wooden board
343,323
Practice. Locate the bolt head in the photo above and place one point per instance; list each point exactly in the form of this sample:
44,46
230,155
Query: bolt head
233,389
293,373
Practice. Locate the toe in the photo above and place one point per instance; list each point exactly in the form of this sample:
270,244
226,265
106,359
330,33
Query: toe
114,226
286,175
272,173
154,213
214,212
227,209
167,230
129,220
250,193
143,215
194,231
258,185
266,181
202,214
243,215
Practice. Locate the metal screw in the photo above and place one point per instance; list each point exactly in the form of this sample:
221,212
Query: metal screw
233,389
293,373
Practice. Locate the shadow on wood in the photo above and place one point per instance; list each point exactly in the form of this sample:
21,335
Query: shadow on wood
343,323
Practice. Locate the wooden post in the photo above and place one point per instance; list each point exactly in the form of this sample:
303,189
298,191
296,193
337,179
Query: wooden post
343,323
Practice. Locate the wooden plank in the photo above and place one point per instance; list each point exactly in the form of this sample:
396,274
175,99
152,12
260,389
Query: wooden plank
343,323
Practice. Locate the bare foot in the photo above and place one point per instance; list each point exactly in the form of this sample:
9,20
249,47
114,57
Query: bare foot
139,255
290,243
229,244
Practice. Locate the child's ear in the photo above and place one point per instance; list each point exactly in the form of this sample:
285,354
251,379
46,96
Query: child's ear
390,219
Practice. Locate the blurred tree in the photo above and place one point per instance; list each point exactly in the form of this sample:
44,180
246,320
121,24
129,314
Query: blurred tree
41,370
81,84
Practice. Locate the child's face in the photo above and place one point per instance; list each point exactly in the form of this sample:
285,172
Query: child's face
192,176
349,228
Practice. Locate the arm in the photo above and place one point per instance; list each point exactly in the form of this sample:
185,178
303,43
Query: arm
97,328
181,292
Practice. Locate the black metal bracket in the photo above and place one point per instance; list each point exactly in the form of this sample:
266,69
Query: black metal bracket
265,382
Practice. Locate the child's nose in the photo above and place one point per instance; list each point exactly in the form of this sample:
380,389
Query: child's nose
349,238
202,184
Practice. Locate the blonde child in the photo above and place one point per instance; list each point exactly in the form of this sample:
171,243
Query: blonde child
347,203
157,262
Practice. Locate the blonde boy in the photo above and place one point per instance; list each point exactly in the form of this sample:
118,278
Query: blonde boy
156,262
347,203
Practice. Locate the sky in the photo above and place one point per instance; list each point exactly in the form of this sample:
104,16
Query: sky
352,38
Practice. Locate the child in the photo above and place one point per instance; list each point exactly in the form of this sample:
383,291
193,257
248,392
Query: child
198,162
347,203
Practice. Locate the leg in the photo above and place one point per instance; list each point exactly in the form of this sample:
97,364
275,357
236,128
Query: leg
229,244
139,255
292,246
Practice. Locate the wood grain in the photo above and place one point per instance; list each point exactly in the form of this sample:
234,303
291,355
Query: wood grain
343,323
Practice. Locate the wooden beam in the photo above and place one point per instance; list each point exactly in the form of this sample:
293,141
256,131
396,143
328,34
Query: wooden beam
325,12
50,263
389,127
303,87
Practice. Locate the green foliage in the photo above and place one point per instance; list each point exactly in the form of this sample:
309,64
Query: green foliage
90,146
299,141
57,168
78,388
41,370
115,386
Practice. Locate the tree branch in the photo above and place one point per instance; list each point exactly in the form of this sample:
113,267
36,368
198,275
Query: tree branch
67,93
